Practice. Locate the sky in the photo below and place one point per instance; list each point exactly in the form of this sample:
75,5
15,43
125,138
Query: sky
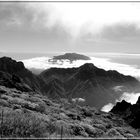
42,27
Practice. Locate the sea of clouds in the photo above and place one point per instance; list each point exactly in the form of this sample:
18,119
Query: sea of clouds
129,97
105,63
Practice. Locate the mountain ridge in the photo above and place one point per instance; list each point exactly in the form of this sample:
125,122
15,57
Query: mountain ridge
87,81
101,81
65,102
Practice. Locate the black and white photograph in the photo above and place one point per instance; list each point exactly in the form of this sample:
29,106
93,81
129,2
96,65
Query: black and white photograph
69,69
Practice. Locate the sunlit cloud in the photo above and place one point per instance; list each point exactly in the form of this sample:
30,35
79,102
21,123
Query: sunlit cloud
130,97
104,63
75,17
91,17
117,88
107,107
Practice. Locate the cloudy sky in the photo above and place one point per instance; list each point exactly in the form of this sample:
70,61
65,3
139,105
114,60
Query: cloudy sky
40,27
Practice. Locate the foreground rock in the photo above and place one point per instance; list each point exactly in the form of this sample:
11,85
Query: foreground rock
130,113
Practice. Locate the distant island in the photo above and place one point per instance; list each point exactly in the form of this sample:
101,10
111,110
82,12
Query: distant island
71,57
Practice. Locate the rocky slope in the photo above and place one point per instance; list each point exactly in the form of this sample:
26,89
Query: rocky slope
96,86
30,115
16,69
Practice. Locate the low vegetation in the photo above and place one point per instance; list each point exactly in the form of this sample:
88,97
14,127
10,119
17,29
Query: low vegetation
30,115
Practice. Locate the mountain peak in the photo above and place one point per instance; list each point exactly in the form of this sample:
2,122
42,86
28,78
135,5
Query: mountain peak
88,66
7,64
121,107
86,71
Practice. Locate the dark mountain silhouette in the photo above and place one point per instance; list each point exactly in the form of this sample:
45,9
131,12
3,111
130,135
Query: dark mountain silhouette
15,75
12,67
130,113
89,82
71,57
13,81
93,84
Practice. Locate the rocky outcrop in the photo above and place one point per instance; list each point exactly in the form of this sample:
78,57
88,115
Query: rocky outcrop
121,107
130,113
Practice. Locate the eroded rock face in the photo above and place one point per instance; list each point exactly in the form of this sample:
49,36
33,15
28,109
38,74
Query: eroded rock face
121,107
130,113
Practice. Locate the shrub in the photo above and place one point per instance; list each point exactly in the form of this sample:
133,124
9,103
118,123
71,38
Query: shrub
113,133
40,107
33,99
4,103
78,130
92,131
63,128
87,112
22,125
100,126
73,116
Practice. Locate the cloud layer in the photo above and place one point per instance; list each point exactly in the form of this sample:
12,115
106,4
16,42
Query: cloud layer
107,107
86,27
128,97
43,63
